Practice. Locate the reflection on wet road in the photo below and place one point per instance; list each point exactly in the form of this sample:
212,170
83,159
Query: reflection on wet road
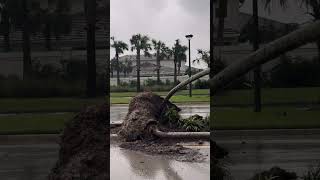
256,151
133,165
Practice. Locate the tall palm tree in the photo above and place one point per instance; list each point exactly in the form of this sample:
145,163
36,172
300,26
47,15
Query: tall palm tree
174,53
113,66
181,56
24,15
257,70
56,20
140,43
5,24
119,47
221,14
90,12
161,53
127,67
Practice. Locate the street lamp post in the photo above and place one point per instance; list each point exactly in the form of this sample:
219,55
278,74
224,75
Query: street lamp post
189,37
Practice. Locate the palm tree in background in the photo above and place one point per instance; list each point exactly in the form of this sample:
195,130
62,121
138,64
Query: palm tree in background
162,51
205,56
179,54
56,20
127,67
5,24
140,43
119,47
113,66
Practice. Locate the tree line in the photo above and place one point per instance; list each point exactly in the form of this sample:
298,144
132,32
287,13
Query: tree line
143,44
53,21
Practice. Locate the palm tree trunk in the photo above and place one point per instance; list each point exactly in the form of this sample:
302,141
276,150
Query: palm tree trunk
179,66
179,135
118,69
175,74
7,41
318,45
138,71
186,82
222,14
91,54
27,67
6,24
269,52
257,71
48,36
158,69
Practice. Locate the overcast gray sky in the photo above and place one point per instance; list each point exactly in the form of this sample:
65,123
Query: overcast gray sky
165,20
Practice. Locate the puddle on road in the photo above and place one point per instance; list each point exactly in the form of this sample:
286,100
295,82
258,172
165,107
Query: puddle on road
126,164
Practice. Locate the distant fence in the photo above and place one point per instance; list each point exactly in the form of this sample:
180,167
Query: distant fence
113,81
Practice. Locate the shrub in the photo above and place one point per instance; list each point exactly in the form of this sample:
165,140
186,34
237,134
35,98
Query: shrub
195,123
312,174
171,117
201,84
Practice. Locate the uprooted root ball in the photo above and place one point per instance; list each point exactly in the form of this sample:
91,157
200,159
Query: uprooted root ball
144,109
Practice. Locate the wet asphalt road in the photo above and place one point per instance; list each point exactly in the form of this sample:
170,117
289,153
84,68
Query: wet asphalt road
27,162
255,151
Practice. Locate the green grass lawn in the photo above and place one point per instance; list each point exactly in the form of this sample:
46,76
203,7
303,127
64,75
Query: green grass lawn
33,123
269,118
224,118
11,105
198,96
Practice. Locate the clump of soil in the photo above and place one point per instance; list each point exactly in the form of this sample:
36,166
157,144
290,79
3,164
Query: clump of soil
84,147
146,109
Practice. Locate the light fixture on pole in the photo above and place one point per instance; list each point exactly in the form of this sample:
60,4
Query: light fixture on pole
189,37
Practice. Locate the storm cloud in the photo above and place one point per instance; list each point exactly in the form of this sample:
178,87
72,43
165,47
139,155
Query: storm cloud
165,20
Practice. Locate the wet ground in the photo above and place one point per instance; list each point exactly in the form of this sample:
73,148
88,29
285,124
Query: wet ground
25,160
134,165
256,151
126,164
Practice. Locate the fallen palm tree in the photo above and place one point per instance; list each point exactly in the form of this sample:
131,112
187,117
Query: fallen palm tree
269,52
293,40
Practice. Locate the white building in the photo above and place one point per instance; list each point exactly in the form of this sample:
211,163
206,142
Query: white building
149,65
